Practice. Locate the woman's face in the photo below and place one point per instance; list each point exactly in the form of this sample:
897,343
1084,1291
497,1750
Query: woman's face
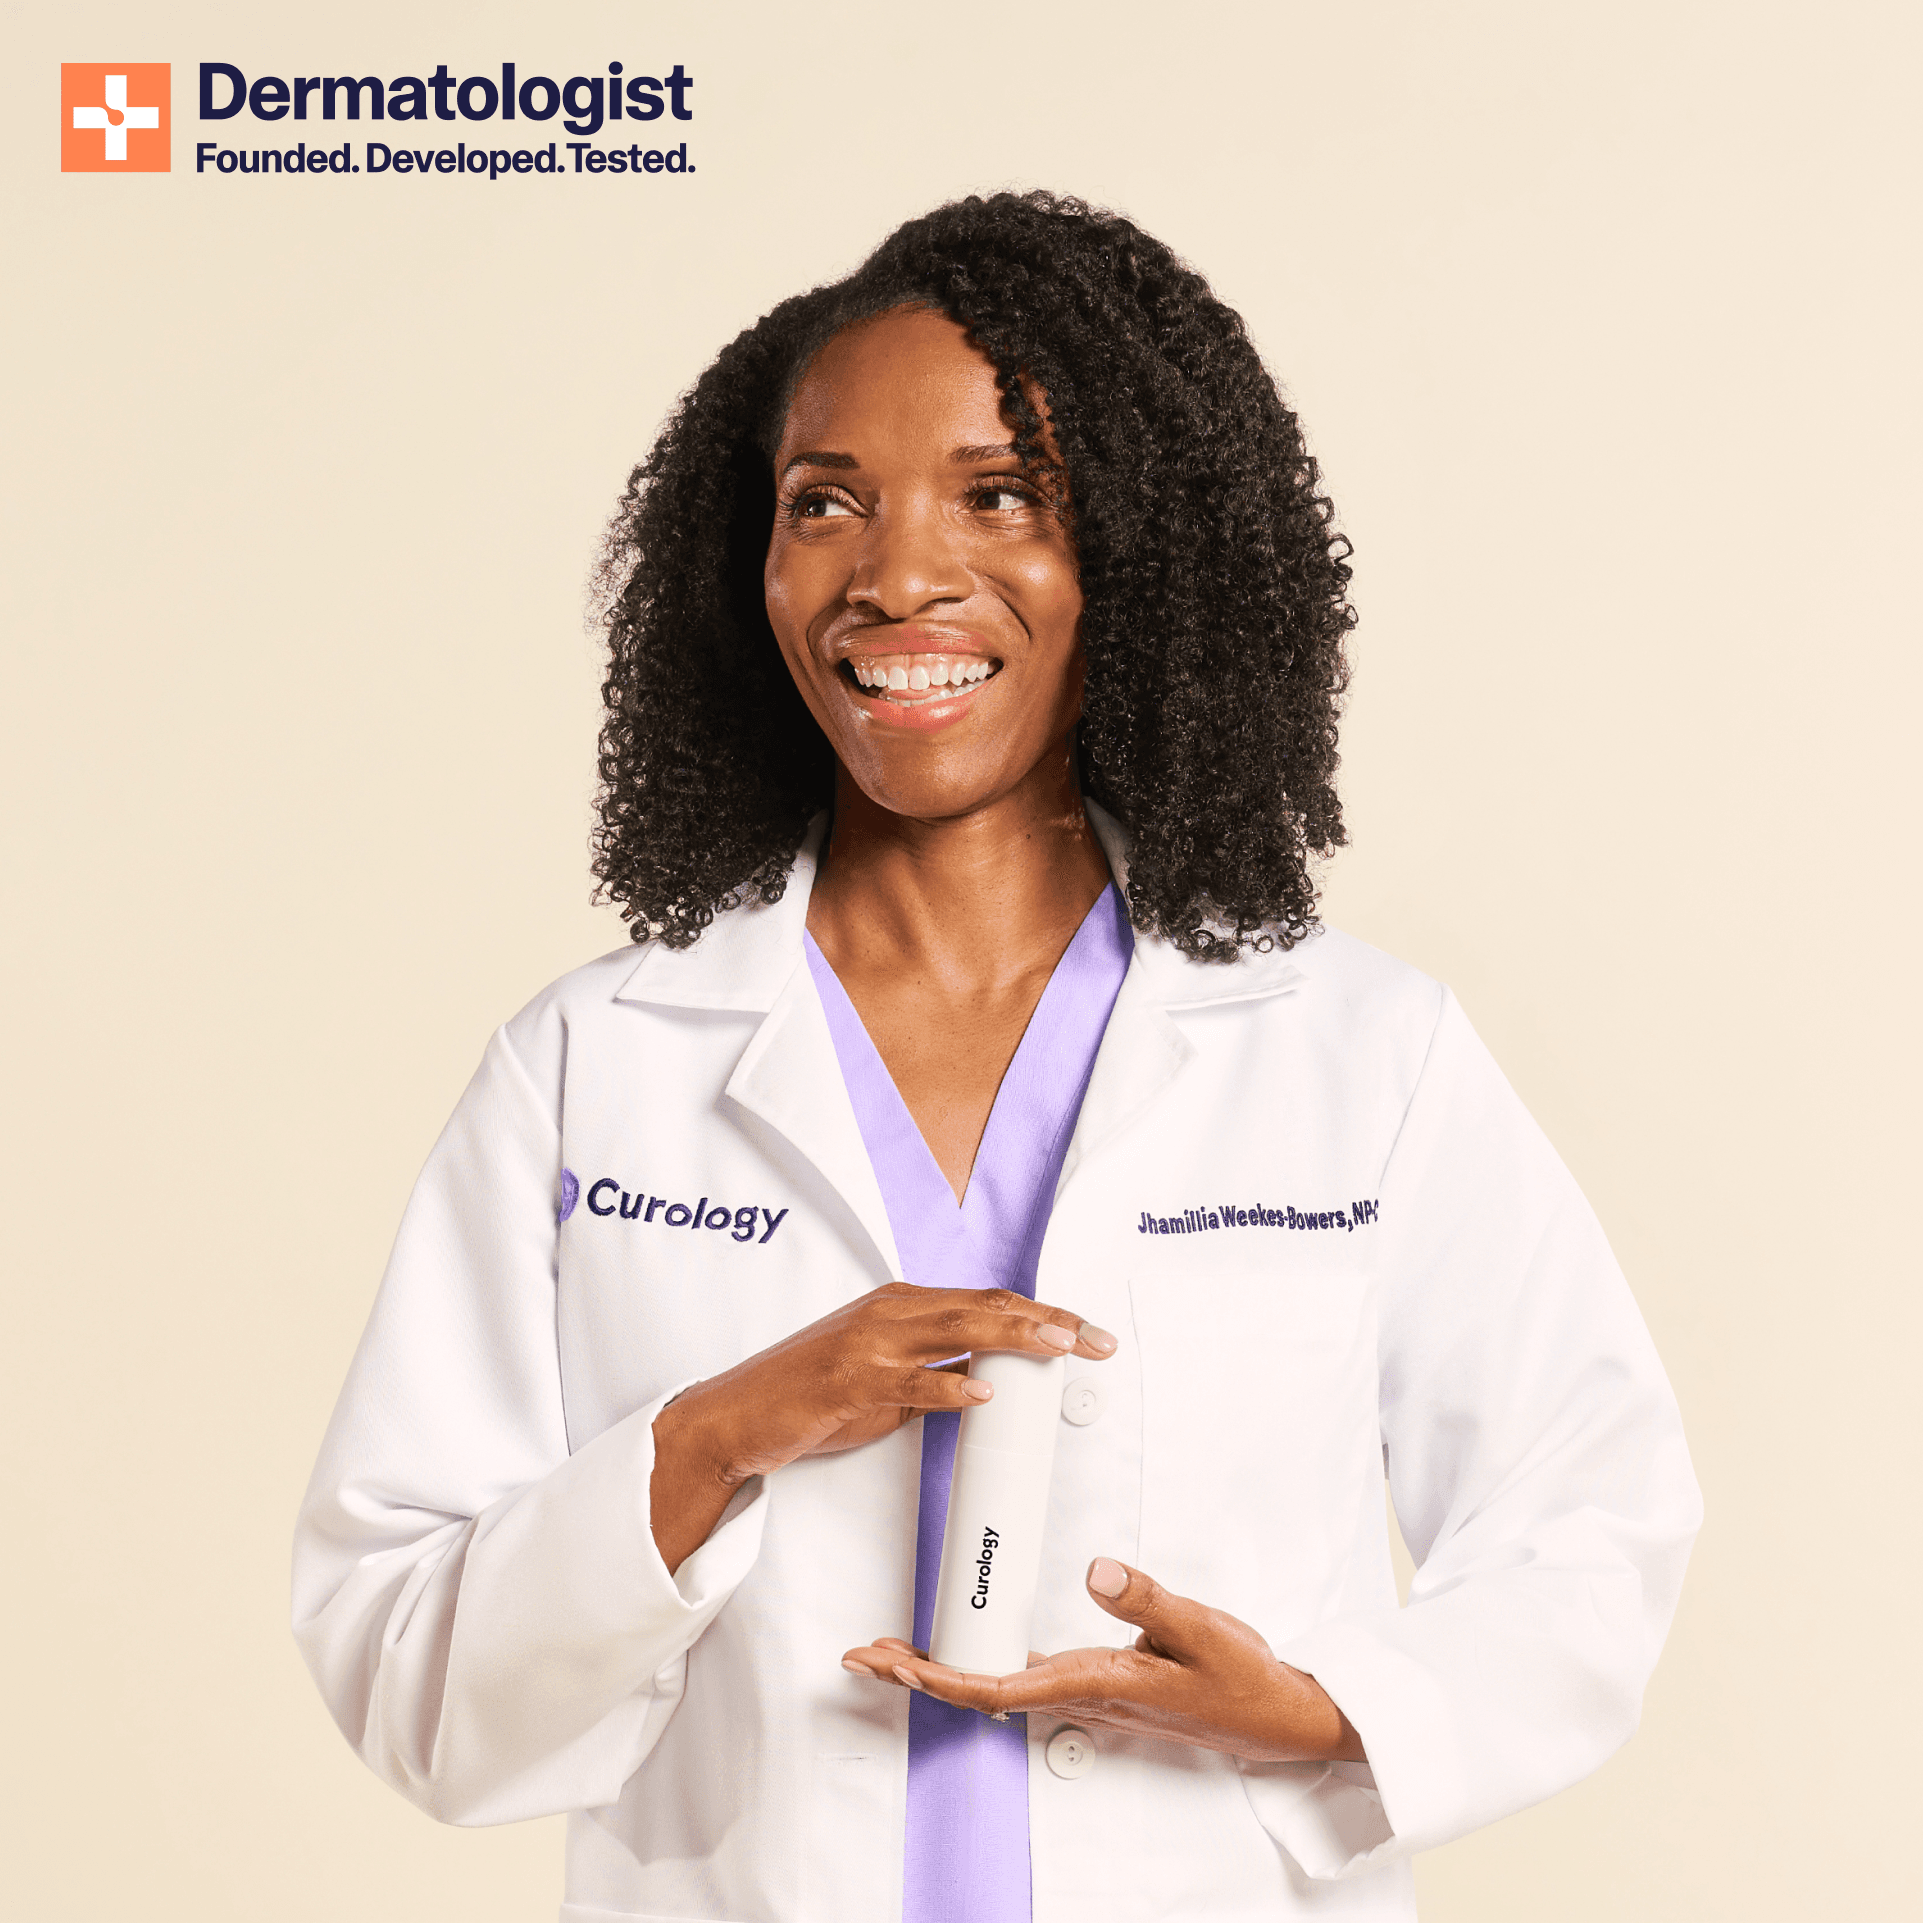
921,585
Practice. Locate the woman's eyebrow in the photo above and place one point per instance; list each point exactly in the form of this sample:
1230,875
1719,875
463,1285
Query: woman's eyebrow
817,457
960,457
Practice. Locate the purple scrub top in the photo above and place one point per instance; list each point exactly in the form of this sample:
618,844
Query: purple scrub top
967,1830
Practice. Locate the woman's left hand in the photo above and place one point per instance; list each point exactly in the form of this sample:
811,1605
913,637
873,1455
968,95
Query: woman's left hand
1195,1675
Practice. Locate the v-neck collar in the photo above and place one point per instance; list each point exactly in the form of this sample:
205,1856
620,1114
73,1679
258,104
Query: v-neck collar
788,1080
992,1237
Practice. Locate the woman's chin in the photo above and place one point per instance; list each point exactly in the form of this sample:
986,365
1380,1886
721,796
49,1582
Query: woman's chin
930,798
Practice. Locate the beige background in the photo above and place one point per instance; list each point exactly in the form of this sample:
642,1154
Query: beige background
1603,321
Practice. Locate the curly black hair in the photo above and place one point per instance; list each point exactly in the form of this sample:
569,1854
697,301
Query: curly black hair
1214,585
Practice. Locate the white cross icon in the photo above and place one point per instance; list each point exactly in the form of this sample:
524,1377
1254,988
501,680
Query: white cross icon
116,116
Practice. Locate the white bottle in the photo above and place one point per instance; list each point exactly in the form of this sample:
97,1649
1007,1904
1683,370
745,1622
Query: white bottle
991,1556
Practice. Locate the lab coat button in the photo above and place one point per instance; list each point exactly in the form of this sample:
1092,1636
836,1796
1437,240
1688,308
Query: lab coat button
1082,1401
1070,1753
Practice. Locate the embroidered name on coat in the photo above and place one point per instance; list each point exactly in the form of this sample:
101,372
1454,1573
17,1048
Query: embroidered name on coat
1258,1215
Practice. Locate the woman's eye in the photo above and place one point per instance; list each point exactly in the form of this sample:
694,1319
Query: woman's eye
1001,500
819,507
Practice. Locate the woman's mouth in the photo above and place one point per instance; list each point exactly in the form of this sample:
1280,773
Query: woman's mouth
919,680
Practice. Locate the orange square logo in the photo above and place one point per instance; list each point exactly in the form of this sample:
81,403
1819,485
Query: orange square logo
116,117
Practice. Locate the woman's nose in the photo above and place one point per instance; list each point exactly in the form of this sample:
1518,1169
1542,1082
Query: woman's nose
908,560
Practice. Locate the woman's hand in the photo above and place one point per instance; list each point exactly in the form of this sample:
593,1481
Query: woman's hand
1195,1675
852,1377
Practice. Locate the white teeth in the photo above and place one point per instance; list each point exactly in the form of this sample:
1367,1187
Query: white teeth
924,675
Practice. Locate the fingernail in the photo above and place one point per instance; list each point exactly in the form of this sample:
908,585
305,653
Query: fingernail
1098,1339
1105,1577
978,1391
906,1676
857,1669
1052,1336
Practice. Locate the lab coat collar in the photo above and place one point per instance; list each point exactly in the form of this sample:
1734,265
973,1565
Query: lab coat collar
749,956
1168,978
751,961
745,958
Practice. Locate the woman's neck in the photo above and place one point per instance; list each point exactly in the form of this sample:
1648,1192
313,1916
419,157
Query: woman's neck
944,934
973,904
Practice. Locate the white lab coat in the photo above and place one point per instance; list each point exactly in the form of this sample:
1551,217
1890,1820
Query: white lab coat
478,1595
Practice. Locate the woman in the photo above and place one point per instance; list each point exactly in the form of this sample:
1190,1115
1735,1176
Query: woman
977,635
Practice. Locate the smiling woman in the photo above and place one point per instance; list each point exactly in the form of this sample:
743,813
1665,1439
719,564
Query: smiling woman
919,583
1196,532
976,942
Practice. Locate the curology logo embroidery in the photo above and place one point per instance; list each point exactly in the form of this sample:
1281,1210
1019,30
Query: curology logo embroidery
607,1197
115,117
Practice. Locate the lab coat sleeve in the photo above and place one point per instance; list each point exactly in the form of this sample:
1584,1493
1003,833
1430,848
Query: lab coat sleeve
1540,1478
485,1612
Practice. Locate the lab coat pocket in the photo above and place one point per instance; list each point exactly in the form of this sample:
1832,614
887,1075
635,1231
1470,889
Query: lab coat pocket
1261,1447
853,1867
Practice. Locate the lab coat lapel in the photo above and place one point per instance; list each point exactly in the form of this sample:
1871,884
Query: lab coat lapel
790,1079
750,961
1144,1049
1142,1052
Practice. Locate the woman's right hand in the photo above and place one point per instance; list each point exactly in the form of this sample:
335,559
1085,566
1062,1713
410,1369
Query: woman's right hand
852,1377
